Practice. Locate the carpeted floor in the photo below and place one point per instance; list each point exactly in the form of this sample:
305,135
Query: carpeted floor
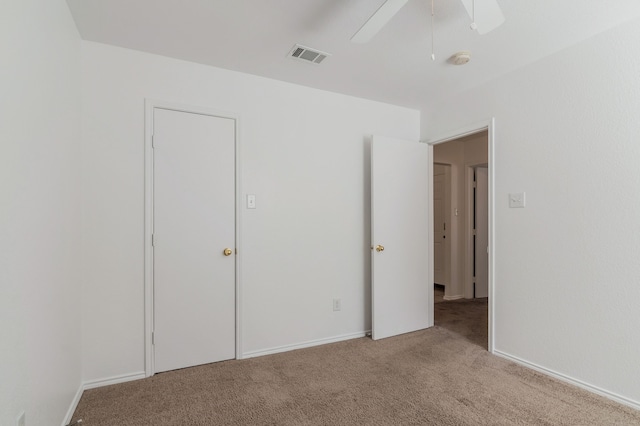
467,318
439,376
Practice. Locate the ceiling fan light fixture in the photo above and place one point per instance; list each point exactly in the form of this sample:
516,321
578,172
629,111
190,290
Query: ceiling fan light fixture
460,58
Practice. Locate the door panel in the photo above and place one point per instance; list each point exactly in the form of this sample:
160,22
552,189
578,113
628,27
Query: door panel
482,232
401,292
441,243
194,221
438,244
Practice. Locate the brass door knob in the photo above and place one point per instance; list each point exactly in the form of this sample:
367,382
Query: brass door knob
379,248
227,252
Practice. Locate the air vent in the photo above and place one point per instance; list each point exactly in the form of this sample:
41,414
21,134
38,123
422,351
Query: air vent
306,54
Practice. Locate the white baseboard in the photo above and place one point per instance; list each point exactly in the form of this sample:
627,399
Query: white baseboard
453,297
73,406
96,384
303,345
113,380
562,377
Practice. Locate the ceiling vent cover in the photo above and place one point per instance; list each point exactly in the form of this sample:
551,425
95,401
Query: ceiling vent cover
307,54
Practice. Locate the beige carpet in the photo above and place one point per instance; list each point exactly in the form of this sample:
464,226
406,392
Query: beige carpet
465,318
440,376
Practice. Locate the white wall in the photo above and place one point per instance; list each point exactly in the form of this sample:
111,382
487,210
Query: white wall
567,270
40,211
303,155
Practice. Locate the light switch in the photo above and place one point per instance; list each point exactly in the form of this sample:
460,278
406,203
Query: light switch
516,200
251,201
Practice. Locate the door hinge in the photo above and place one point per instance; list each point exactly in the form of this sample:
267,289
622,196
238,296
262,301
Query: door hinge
474,232
153,338
153,141
475,184
445,225
153,240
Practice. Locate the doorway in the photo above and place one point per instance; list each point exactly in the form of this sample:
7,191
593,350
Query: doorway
190,259
469,154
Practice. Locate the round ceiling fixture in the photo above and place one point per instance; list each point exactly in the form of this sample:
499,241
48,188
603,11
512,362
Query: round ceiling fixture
461,58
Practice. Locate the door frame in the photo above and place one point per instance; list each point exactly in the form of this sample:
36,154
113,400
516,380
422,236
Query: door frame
489,127
468,230
469,261
150,105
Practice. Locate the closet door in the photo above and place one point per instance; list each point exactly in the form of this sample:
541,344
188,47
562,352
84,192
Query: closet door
193,239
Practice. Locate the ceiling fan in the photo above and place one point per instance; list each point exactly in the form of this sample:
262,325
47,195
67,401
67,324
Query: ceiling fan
486,15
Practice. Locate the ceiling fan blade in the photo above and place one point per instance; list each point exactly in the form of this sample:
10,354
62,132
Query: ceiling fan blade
378,20
488,14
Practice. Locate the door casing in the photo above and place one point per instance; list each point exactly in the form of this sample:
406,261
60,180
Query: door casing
489,127
150,105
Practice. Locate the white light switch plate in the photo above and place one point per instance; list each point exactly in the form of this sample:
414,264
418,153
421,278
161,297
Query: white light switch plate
516,200
251,201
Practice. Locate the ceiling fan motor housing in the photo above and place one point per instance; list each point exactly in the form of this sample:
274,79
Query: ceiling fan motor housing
461,58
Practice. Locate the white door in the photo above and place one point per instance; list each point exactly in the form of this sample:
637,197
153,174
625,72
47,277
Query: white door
482,233
401,291
194,222
441,190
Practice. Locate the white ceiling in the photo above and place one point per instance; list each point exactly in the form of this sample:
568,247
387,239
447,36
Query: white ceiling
254,36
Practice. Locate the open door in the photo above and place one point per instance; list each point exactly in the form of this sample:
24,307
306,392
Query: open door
401,293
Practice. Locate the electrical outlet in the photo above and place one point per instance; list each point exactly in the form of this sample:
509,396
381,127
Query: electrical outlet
20,421
337,304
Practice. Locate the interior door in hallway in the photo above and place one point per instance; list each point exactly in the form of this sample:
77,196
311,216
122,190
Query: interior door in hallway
401,292
441,242
193,239
481,258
